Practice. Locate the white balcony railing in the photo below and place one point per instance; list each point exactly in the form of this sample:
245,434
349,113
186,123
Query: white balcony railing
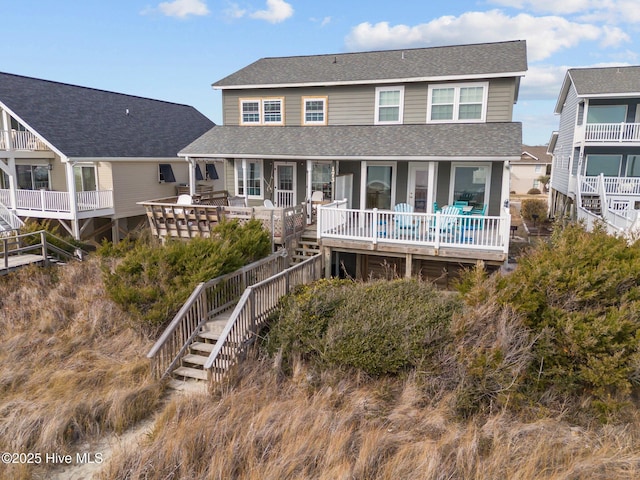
52,201
421,229
612,185
612,132
21,140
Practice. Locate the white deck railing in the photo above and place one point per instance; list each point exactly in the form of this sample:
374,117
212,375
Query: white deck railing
21,141
612,185
612,132
421,229
52,201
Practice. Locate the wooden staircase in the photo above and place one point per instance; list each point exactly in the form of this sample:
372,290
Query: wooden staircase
192,364
306,247
593,203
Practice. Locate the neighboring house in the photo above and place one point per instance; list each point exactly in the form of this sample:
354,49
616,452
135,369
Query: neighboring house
84,157
534,163
419,126
596,151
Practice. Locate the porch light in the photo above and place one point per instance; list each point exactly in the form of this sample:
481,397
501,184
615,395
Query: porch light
49,166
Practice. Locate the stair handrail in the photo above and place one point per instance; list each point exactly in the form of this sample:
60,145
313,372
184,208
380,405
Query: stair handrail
43,245
252,311
207,300
11,218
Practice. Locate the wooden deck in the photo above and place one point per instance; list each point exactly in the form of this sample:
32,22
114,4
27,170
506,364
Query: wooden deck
14,262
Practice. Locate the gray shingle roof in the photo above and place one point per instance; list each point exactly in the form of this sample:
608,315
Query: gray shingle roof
360,142
89,123
609,80
458,60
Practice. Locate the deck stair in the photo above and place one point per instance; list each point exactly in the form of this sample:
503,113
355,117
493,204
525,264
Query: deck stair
220,320
306,247
593,203
192,364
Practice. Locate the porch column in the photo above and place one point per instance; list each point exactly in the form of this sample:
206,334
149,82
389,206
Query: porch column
10,170
506,183
309,192
245,189
431,192
192,176
73,201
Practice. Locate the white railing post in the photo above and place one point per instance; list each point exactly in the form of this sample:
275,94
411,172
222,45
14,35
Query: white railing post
374,226
437,230
42,200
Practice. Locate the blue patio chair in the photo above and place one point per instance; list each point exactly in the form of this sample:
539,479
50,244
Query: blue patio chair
406,226
480,212
436,208
460,203
449,218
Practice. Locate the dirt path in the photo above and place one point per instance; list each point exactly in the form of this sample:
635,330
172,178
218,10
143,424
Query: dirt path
98,454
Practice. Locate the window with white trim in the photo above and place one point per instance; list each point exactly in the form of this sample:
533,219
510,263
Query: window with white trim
272,111
250,112
389,105
457,102
314,111
261,111
254,178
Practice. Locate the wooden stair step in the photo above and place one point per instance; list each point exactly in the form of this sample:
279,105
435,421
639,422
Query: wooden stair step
195,359
202,347
209,335
216,326
190,373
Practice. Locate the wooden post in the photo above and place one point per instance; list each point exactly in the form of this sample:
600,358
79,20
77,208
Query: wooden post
408,266
43,240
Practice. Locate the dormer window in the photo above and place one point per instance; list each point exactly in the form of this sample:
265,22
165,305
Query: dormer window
457,102
389,105
261,111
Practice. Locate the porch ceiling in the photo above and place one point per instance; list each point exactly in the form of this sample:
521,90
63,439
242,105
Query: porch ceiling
424,141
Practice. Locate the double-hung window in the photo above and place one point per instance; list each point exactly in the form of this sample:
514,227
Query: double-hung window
250,112
389,105
457,102
314,111
261,111
253,187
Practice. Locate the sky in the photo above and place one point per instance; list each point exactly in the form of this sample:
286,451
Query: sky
174,50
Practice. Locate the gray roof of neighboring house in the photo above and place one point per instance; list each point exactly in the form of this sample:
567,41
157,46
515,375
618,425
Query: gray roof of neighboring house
534,155
484,59
600,82
90,123
450,140
611,80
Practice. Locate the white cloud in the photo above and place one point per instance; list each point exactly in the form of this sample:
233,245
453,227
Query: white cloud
544,35
183,8
277,11
558,7
600,11
234,11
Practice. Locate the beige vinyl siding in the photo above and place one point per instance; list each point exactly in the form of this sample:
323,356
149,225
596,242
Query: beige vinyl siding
104,176
415,103
138,181
500,100
355,104
230,176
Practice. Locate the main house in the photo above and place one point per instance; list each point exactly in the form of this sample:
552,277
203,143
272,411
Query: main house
364,134
596,151
84,157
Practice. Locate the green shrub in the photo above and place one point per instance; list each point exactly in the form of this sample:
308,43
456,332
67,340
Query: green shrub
580,295
531,207
54,236
152,281
378,328
534,191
